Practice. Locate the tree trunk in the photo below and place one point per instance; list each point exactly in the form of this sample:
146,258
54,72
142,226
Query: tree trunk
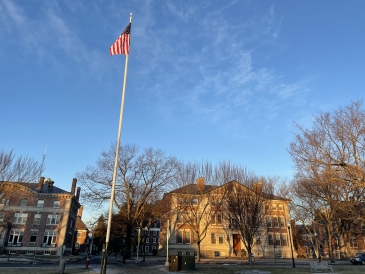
198,251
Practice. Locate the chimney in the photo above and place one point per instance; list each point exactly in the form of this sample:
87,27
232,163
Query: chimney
79,213
78,193
40,183
257,187
200,184
73,187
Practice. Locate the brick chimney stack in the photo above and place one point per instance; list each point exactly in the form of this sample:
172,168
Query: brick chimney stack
40,183
200,184
79,213
73,187
258,187
78,193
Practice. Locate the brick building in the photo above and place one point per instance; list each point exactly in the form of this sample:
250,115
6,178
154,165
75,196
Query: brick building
38,218
222,238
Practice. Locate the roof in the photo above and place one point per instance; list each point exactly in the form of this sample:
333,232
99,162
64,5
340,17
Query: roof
45,189
80,225
192,189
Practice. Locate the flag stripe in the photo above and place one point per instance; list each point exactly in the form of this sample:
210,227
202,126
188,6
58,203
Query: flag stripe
121,46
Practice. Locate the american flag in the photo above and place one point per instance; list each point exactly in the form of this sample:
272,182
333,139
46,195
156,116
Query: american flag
121,46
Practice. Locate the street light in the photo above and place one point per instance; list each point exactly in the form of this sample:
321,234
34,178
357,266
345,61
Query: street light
317,245
291,245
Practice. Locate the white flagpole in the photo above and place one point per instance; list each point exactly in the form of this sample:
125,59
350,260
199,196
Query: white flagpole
167,242
103,270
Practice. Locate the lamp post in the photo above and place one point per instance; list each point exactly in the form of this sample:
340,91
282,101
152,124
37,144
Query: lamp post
275,252
317,245
291,245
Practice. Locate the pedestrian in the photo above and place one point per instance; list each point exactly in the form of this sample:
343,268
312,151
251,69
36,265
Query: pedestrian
87,262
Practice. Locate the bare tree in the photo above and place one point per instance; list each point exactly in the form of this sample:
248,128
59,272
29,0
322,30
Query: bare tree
330,165
192,203
18,169
141,178
244,208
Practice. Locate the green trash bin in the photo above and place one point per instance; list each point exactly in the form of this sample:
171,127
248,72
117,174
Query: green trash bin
187,262
174,263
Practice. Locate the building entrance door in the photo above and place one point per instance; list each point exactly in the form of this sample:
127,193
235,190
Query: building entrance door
236,244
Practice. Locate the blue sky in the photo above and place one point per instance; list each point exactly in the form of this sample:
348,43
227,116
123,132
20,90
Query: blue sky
207,80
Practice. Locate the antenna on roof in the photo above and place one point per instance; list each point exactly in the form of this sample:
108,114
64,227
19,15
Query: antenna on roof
43,159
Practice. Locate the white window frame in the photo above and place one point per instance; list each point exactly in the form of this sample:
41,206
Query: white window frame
23,202
16,237
40,203
50,238
56,204
37,219
20,218
147,248
2,216
147,240
33,232
53,219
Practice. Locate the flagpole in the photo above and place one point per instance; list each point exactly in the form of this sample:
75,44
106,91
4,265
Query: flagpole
105,251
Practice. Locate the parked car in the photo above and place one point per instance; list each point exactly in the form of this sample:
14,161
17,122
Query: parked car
359,259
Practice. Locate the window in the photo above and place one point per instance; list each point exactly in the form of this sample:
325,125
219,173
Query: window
56,204
154,240
195,237
53,219
267,207
37,219
353,242
219,219
273,206
213,239
154,232
212,221
77,245
179,219
147,248
269,223
50,237
79,234
30,252
187,237
153,247
281,208
20,218
284,240
179,253
179,237
282,222
147,240
1,217
33,236
277,239
276,222
2,202
15,238
195,201
220,238
23,202
187,253
40,203
181,201
271,239
46,252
